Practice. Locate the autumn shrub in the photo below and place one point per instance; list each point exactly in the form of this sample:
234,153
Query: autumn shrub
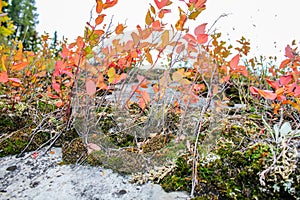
100,95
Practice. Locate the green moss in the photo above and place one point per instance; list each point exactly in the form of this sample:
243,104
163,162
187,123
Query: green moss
19,140
180,179
74,151
45,107
235,174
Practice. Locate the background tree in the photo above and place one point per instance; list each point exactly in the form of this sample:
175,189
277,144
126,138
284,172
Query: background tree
6,24
24,15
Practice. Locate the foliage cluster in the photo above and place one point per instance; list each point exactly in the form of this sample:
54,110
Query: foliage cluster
83,90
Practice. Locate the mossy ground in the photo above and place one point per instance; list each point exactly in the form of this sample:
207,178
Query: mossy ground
242,155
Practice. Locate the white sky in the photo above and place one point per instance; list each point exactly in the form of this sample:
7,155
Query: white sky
269,24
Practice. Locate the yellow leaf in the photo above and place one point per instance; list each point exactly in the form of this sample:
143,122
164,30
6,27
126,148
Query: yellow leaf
177,76
195,14
152,9
149,18
184,81
111,72
2,64
149,57
165,38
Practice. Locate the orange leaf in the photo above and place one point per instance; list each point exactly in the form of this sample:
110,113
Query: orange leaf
99,19
19,66
120,78
59,104
284,63
99,32
162,12
142,81
149,57
90,87
156,25
99,6
145,96
3,77
155,88
180,23
162,3
267,94
109,3
119,29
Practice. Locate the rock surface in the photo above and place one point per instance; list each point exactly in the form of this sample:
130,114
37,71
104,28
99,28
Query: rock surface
42,178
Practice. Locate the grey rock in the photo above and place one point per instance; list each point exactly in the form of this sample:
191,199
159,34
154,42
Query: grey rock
42,178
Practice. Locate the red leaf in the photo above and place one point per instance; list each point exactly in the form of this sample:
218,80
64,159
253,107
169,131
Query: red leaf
297,91
56,87
234,62
289,52
34,155
199,3
290,88
285,79
92,147
15,80
162,3
3,77
190,38
200,29
273,84
253,90
156,25
202,38
50,94
180,48
90,87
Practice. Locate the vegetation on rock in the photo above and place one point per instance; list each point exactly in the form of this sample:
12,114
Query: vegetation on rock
211,126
